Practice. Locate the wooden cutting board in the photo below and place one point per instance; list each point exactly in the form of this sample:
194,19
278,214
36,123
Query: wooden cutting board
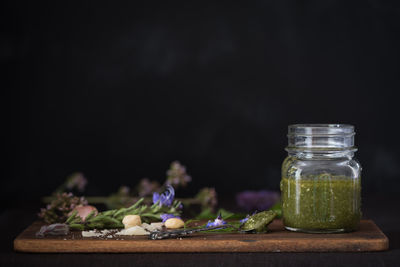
368,238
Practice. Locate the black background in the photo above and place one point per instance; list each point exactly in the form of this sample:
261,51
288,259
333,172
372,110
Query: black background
118,91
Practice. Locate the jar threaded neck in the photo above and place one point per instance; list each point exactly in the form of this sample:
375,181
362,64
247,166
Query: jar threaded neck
320,137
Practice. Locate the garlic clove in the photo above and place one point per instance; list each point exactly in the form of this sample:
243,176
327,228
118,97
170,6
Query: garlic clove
84,211
131,220
174,223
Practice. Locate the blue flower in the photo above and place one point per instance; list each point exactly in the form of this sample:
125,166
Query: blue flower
166,198
217,222
244,219
156,197
167,216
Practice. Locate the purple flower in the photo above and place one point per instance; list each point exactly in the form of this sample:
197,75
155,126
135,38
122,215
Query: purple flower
217,222
146,187
76,180
177,176
166,198
257,200
166,216
244,219
59,208
124,190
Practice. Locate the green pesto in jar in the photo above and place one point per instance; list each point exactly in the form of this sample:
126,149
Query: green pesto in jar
322,202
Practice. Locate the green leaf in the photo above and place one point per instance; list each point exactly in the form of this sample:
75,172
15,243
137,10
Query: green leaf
90,215
76,226
108,212
120,212
225,214
207,214
134,206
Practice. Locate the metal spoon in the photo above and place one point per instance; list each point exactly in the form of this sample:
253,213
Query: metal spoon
183,232
256,223
164,234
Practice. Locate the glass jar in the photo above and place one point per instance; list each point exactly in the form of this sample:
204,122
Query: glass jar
321,186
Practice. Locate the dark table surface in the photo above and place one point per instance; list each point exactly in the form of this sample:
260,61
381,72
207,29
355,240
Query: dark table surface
384,210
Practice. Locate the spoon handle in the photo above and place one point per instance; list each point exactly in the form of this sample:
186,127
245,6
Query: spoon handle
182,232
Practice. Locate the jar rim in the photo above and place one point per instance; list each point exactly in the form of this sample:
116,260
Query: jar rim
320,136
320,129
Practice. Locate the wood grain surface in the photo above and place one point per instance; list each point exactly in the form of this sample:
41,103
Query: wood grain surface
368,238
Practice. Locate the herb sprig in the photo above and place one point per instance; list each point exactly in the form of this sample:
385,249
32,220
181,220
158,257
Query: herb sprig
113,218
